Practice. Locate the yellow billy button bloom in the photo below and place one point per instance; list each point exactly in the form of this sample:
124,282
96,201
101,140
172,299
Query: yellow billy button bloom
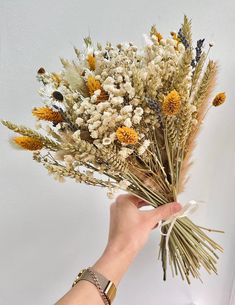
47,114
127,135
27,143
91,60
219,99
171,104
93,85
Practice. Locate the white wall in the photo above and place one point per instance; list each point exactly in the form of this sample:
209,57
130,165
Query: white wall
49,231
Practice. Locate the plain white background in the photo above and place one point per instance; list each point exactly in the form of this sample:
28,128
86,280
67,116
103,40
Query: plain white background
49,231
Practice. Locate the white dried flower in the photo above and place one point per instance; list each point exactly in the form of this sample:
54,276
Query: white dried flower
75,106
95,125
97,92
119,70
128,122
106,141
76,135
79,121
143,147
147,40
135,102
117,100
108,81
125,152
102,105
139,111
94,134
126,109
123,184
136,119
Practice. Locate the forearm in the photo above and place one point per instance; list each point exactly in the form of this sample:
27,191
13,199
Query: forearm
113,264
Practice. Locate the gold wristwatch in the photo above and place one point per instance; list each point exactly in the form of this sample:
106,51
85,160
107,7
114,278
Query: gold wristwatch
108,288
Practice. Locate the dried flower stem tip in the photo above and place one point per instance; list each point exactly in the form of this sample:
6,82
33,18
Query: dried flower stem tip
28,143
171,104
127,135
47,114
219,99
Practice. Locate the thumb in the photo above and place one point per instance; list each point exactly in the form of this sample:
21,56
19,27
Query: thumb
163,212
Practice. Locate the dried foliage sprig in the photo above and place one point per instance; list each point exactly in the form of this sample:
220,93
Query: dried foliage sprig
131,115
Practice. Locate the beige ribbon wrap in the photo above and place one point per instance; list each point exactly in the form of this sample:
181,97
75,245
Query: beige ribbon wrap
188,209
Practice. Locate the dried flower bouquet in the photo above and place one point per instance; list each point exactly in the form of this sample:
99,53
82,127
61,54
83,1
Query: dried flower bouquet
131,114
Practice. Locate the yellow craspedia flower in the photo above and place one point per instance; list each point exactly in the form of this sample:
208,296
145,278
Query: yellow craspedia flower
47,114
219,99
172,103
28,143
93,85
91,60
127,135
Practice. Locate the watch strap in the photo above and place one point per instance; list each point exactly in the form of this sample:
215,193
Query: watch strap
106,287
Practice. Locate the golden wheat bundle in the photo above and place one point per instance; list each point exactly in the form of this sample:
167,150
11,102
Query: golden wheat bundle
124,117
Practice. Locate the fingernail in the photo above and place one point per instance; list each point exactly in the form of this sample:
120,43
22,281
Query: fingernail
176,207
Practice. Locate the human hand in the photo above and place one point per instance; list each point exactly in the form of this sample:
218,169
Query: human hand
129,230
129,226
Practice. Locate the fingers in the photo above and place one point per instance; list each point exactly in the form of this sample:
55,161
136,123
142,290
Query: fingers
131,199
167,210
161,213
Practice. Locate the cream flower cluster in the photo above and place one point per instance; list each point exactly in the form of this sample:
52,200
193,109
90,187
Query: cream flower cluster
130,79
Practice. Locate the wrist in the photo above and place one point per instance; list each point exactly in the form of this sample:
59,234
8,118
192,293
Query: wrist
115,261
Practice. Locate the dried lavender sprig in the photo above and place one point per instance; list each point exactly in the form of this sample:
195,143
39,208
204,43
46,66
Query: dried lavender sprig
183,39
198,48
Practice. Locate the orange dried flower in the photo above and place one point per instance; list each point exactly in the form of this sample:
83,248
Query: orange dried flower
28,143
127,135
91,61
47,114
172,103
219,99
93,85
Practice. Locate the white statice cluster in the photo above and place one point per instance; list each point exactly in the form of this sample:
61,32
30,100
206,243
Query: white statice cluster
114,87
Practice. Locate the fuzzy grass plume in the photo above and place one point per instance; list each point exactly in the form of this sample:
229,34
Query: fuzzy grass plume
133,115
